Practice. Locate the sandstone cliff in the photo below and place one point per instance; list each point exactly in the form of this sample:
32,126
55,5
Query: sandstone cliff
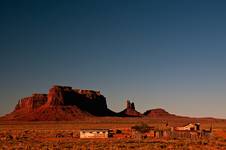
61,103
32,102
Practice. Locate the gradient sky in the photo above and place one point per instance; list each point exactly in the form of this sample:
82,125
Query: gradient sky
161,53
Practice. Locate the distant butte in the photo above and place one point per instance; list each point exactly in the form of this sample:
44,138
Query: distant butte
130,110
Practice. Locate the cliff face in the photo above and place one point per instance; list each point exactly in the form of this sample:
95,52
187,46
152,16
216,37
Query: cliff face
61,103
30,103
87,100
58,95
130,110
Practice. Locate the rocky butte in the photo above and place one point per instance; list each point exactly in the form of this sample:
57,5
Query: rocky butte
61,103
130,110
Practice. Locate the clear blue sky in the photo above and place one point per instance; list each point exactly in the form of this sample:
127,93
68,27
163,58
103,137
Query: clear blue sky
161,53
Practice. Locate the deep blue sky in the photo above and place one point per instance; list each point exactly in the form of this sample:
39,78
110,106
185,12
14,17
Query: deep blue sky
161,53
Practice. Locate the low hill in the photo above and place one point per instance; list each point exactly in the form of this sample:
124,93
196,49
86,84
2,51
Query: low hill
159,113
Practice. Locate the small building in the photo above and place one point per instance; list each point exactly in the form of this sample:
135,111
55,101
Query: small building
94,133
189,127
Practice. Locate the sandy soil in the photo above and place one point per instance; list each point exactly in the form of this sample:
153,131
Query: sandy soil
65,135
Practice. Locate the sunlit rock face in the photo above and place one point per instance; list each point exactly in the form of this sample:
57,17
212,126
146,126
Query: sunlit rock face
31,103
61,103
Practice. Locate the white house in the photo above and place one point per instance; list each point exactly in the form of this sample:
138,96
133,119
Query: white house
189,127
94,133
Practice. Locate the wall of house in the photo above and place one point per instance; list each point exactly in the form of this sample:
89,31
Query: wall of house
93,134
187,127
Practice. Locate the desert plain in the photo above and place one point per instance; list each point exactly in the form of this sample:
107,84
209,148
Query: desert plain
57,135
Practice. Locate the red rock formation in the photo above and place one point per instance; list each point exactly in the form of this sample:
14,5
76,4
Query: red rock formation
32,102
61,103
158,113
57,95
130,110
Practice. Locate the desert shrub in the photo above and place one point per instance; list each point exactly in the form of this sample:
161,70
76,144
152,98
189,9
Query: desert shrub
68,145
59,135
118,131
163,146
205,142
142,128
9,137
